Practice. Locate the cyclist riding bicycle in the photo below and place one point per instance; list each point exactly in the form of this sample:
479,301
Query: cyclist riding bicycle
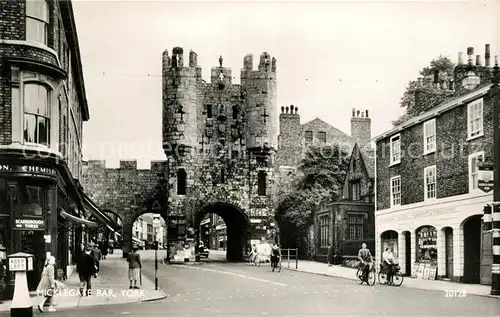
275,255
389,262
366,259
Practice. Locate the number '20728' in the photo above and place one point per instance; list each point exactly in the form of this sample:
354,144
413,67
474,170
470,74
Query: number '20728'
454,293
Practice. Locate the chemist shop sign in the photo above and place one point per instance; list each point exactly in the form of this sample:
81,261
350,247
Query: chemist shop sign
29,224
29,170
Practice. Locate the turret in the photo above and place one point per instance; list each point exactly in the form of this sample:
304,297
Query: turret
180,101
260,87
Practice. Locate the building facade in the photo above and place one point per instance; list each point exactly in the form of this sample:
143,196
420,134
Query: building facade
220,139
42,110
429,208
348,223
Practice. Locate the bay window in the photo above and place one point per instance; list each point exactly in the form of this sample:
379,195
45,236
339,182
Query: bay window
36,113
37,21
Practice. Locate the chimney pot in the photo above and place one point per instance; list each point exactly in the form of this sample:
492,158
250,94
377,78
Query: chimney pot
358,113
478,60
286,109
282,109
460,58
296,110
367,113
362,114
487,55
470,52
353,112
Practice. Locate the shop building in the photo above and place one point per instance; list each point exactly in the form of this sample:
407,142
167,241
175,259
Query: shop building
43,209
428,205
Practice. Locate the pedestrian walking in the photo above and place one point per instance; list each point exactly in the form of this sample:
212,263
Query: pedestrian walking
134,268
85,267
104,249
330,255
97,255
47,285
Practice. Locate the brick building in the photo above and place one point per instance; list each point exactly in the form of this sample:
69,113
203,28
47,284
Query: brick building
220,141
42,109
428,206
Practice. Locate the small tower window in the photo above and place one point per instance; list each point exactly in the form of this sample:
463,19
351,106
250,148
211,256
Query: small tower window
222,176
181,181
261,191
209,111
235,112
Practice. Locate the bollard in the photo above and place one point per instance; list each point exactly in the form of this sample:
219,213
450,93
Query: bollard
21,305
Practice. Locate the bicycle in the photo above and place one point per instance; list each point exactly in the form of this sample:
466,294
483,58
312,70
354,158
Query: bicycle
277,265
370,279
396,276
258,260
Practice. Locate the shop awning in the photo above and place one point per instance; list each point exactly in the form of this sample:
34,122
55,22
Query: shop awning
79,220
102,217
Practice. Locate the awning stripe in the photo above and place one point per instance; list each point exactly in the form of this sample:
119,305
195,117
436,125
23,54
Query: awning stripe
79,220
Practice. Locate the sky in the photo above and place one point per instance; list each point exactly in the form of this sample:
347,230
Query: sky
331,57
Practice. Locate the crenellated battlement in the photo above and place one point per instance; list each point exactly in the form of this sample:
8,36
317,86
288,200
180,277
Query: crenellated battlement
130,165
266,69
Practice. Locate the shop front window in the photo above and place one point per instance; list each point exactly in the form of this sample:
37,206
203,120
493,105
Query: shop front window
31,201
426,244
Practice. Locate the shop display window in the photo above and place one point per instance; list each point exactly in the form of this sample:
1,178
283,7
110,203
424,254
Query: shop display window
426,244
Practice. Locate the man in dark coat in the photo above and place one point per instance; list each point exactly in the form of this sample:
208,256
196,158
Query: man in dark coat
85,266
97,255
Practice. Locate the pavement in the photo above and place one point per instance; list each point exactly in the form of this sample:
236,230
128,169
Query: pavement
408,282
218,288
110,287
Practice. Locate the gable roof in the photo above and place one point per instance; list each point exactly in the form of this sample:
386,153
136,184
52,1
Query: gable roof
322,123
367,155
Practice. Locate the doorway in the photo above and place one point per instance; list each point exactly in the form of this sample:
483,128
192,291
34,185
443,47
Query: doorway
472,249
448,234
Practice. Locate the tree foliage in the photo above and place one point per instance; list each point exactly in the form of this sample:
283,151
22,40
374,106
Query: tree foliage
320,180
444,66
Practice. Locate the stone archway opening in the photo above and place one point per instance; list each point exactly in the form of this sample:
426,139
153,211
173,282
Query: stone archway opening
228,229
139,230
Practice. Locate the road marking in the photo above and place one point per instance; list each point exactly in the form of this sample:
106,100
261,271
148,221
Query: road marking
234,274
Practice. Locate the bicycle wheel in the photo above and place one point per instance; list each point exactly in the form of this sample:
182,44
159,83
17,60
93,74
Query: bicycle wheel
382,278
397,279
371,278
359,275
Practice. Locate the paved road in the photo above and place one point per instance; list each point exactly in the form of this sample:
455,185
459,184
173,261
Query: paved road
224,289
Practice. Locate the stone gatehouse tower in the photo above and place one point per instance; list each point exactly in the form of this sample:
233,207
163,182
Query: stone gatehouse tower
220,140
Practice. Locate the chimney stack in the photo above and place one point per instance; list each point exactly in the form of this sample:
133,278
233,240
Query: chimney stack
470,52
361,127
487,55
460,58
478,60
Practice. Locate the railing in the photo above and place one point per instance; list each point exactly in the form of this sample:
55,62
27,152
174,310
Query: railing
289,255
